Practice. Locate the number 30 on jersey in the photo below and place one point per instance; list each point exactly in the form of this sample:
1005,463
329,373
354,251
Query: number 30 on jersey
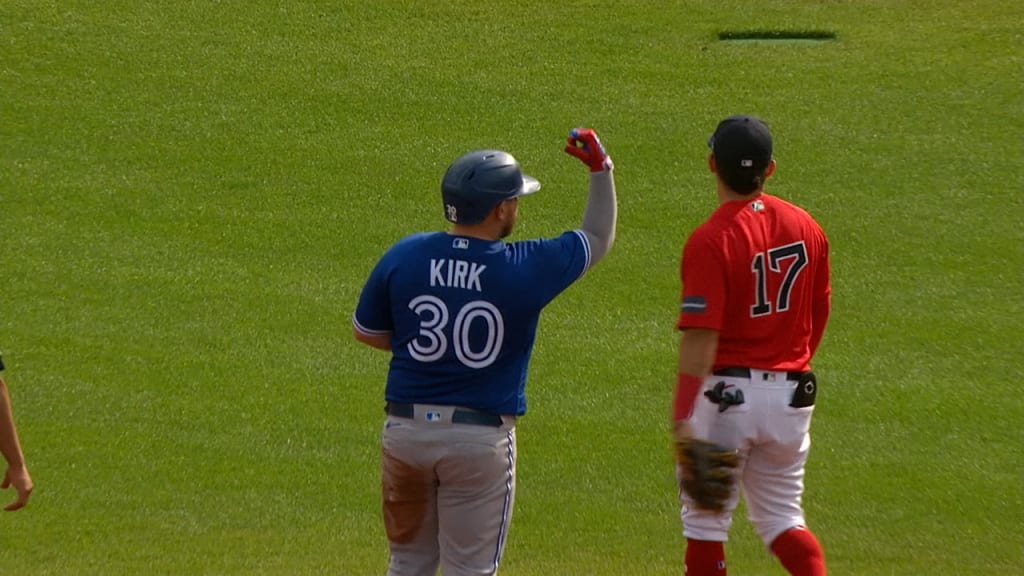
433,339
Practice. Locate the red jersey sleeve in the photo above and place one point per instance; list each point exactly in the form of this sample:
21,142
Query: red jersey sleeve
821,305
703,283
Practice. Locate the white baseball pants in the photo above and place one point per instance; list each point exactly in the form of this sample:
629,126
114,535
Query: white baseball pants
773,440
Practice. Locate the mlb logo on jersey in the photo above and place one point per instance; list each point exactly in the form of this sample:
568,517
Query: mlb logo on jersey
433,416
461,244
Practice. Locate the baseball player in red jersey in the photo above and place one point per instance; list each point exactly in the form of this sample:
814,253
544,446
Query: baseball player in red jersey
755,301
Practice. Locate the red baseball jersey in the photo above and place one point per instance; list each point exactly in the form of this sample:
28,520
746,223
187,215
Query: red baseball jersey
757,272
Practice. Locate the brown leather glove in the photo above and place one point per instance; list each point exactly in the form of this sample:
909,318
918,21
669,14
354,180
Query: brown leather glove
707,472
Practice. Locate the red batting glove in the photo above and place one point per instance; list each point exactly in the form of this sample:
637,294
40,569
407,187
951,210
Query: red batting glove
583,144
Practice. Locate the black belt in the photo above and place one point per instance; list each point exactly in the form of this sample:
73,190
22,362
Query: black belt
740,372
459,416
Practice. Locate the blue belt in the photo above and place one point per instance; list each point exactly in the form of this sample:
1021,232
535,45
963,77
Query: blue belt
459,416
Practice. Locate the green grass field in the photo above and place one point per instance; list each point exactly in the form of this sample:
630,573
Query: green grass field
192,193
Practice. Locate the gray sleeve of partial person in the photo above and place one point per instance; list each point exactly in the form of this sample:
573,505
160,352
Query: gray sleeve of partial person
600,214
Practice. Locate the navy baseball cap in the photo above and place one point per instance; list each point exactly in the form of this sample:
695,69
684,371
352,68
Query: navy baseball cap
741,145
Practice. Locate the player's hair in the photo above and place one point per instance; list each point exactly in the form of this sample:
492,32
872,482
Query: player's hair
743,181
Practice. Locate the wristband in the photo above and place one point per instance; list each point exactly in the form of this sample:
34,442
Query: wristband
687,386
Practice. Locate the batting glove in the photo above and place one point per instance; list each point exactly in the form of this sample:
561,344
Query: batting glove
583,144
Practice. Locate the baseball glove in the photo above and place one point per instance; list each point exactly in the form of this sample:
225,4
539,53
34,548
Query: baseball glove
706,472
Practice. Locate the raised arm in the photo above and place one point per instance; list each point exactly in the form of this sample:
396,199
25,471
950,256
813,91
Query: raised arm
601,211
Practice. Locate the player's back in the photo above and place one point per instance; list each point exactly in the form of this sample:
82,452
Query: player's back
776,258
465,312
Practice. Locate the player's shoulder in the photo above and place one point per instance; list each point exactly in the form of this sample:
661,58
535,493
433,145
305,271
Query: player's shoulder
550,253
716,225
568,237
418,238
705,237
784,205
414,242
409,247
798,216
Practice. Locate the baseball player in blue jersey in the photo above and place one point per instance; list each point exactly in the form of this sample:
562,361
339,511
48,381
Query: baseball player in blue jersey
458,311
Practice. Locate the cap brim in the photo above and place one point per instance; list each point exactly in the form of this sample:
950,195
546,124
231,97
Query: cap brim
530,185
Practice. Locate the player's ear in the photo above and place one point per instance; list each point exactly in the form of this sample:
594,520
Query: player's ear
505,209
770,169
711,164
500,211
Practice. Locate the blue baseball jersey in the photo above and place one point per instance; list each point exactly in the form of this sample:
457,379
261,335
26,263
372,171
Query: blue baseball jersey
463,312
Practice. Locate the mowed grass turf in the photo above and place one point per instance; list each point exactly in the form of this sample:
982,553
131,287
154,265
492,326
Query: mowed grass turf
192,193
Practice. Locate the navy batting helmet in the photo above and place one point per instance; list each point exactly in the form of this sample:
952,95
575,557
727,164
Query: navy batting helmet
476,182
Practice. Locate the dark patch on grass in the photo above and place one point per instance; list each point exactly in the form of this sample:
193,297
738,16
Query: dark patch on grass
776,35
